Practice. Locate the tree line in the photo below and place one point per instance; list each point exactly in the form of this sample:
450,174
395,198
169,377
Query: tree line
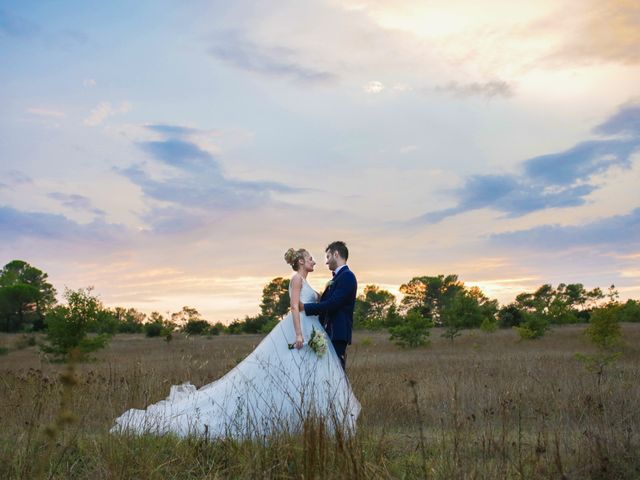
28,303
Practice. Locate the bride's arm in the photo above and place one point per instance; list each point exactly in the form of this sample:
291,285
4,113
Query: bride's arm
296,286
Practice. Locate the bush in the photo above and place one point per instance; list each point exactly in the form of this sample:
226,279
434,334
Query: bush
412,332
270,325
153,329
196,327
216,329
533,327
68,325
488,325
510,316
604,327
630,311
235,327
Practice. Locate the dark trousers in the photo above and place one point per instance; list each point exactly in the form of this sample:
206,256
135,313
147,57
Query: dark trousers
341,350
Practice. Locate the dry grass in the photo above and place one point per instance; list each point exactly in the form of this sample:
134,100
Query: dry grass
488,406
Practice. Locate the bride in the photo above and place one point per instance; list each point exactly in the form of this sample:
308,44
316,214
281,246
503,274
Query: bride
282,383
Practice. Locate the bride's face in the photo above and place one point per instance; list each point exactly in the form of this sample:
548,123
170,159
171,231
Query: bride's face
309,262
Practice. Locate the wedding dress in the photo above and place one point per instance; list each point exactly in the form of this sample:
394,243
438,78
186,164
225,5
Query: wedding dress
274,389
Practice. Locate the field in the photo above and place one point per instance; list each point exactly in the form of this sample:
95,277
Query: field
487,406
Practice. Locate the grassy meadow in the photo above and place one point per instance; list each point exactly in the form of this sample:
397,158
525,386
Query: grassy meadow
488,406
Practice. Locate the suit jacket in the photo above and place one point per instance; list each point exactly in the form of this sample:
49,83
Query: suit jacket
336,306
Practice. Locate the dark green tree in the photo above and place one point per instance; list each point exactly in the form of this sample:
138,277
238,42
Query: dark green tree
630,311
375,308
510,316
429,295
158,326
275,298
25,296
217,328
68,325
412,332
196,327
130,320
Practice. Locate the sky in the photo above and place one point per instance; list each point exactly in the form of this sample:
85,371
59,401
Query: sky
168,153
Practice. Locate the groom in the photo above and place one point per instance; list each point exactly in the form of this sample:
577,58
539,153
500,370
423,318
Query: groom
337,301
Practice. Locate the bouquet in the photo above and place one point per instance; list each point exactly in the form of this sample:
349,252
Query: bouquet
317,342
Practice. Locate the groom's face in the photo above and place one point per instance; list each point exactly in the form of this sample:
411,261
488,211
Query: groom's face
332,260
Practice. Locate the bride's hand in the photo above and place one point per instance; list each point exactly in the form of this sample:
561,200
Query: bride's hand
299,341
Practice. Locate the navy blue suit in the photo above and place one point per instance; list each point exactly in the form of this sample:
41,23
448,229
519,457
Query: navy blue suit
336,309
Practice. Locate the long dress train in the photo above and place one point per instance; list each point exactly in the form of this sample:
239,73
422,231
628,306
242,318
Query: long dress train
273,389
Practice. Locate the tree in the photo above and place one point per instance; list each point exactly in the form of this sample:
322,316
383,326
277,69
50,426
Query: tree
510,316
217,328
235,327
196,327
374,308
185,315
68,325
561,305
429,295
129,320
412,332
159,326
534,326
604,332
630,311
275,298
25,296
256,323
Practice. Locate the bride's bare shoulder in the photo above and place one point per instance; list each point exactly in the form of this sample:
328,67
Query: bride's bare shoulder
296,280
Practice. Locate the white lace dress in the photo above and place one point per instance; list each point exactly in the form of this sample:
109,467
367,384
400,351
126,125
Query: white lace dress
274,389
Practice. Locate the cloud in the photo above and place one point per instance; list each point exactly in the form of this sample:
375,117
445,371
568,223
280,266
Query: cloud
76,202
14,178
600,31
104,110
173,130
494,88
621,232
196,190
43,112
239,52
580,162
16,224
557,180
89,82
625,122
373,87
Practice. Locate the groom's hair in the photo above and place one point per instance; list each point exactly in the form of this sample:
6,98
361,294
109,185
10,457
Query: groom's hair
339,247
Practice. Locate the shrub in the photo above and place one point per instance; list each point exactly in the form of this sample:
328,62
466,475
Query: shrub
533,327
604,332
604,327
510,316
216,329
153,329
630,311
412,332
488,325
196,327
68,325
270,325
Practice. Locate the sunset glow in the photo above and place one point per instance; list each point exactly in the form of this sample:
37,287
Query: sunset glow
168,153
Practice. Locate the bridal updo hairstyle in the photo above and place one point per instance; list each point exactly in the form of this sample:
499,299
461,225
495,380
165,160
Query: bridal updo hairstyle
293,257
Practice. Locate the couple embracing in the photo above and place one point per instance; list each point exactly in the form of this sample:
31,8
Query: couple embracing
296,372
335,305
